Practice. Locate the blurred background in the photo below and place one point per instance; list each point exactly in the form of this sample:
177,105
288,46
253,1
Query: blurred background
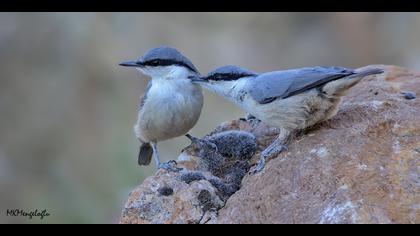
67,109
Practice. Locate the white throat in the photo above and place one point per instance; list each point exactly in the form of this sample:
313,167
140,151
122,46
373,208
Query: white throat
167,72
230,90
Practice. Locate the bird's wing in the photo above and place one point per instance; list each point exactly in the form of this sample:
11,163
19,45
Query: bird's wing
267,87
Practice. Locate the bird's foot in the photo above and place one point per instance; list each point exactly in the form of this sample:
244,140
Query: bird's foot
169,166
247,117
260,166
250,117
252,120
272,150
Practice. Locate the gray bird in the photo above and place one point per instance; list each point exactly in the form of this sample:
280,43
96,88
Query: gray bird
171,104
289,99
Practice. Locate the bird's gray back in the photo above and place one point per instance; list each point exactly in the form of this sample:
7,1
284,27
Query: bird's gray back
281,84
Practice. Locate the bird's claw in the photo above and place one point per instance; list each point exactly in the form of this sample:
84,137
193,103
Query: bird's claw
268,152
260,166
252,120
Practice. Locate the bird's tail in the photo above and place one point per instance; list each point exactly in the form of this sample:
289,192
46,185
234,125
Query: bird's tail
366,72
339,87
145,154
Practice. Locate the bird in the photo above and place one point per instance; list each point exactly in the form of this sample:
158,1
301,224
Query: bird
171,104
289,100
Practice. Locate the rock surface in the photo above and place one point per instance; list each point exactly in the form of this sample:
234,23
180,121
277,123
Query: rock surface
211,173
186,204
362,166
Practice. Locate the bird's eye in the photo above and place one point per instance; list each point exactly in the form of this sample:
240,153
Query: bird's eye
219,77
154,63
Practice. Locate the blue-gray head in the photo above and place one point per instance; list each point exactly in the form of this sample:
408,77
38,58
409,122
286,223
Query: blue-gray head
228,73
224,80
163,62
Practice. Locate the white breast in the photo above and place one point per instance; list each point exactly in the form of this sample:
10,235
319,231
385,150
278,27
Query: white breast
172,108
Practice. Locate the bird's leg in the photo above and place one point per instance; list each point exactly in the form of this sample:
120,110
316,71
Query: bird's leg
155,154
274,149
169,166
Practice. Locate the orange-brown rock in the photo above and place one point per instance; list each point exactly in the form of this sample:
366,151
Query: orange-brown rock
166,199
362,166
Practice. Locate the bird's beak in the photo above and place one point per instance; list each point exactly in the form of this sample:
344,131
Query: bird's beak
131,64
197,79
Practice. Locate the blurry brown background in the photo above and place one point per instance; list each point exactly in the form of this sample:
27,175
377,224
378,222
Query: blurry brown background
67,109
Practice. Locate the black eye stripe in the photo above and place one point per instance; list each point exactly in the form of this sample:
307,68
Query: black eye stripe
152,63
164,62
227,76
